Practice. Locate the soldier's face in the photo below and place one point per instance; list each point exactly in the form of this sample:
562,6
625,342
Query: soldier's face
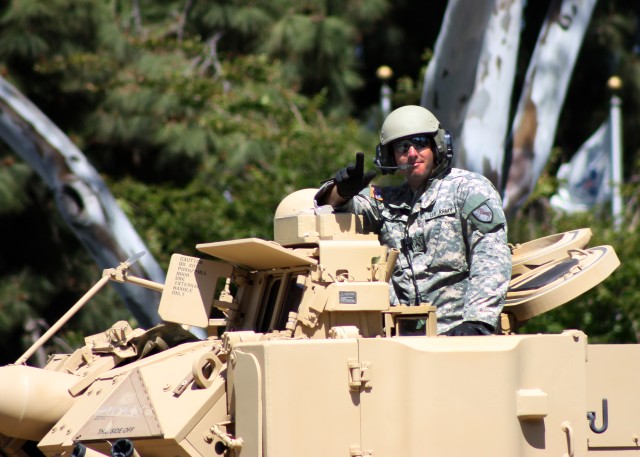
414,157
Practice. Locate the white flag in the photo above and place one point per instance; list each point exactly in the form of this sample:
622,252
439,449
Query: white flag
586,179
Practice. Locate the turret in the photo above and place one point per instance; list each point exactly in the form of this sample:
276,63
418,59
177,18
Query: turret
300,334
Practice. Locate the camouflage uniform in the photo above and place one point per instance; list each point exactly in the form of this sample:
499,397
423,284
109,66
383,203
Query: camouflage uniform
452,238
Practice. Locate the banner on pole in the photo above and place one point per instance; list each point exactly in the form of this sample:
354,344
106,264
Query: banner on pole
586,179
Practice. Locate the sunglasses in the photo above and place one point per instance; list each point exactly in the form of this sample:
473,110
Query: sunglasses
419,142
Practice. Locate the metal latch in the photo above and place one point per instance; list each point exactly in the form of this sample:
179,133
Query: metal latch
359,375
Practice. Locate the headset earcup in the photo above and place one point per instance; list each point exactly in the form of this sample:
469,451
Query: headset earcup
448,145
444,144
383,160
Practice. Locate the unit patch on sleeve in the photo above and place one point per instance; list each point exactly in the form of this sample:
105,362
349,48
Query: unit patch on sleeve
483,213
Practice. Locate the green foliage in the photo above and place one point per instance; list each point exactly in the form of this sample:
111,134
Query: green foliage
317,41
608,312
196,147
44,271
51,35
268,141
13,177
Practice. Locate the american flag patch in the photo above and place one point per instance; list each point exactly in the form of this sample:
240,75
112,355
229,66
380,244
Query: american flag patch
375,192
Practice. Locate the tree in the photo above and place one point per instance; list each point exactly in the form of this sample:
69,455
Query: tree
81,196
199,128
193,149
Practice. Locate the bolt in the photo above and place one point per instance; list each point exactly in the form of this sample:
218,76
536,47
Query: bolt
208,437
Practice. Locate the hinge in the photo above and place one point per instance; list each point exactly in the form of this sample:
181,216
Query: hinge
359,375
356,451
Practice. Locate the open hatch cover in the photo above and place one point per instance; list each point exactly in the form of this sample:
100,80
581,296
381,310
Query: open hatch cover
527,256
556,282
256,254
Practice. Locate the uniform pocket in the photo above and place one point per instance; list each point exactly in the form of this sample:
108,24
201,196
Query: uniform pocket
445,246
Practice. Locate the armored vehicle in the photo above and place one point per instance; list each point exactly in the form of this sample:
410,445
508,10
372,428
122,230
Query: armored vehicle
305,357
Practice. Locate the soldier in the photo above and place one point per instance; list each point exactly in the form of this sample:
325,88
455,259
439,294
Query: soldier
447,223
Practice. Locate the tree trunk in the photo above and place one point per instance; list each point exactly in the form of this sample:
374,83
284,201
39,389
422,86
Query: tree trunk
470,75
82,197
543,94
480,147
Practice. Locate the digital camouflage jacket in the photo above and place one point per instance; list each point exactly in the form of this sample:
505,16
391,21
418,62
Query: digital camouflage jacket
452,238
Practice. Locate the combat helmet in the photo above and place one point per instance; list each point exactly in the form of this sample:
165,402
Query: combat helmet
408,121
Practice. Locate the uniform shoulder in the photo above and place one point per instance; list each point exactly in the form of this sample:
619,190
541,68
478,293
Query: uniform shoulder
470,177
459,173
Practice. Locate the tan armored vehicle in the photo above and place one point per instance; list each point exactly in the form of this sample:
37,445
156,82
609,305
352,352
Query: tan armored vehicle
307,358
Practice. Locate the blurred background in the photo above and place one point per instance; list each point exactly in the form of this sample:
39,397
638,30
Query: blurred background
200,116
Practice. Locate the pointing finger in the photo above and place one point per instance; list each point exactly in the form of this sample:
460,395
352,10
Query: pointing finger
359,164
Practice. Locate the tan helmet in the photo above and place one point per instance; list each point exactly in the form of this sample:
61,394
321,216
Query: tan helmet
407,121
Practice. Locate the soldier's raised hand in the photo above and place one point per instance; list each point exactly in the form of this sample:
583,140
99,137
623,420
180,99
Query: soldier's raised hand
351,179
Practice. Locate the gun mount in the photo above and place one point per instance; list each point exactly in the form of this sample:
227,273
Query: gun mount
306,357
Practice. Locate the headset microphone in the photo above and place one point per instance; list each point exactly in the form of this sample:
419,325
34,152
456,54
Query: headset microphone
405,166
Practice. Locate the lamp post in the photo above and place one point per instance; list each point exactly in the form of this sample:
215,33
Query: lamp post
384,73
615,113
